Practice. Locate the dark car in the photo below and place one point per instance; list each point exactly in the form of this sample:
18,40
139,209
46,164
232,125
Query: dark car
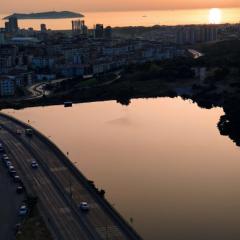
34,164
4,156
7,163
12,173
17,228
20,189
29,132
2,150
17,179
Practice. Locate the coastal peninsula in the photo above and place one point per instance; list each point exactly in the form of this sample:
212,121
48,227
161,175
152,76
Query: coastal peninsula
45,15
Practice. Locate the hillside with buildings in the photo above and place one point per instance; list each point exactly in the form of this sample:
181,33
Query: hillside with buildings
29,56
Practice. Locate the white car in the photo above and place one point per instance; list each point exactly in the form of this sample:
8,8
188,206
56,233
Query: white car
84,206
34,164
10,168
23,210
5,158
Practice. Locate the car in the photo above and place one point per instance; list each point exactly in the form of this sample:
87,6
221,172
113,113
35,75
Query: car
34,164
2,150
29,132
84,206
5,158
19,132
17,228
20,189
17,179
12,173
8,163
11,168
23,210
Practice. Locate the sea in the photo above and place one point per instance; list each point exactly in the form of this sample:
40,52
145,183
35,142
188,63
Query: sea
139,18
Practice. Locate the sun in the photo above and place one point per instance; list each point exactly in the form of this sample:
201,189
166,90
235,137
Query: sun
215,16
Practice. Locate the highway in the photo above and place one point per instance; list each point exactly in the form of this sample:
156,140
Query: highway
60,188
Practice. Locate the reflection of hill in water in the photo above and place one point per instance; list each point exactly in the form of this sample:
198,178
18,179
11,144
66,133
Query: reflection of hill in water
229,124
124,121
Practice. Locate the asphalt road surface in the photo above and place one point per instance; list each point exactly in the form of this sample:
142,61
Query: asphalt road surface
60,191
10,202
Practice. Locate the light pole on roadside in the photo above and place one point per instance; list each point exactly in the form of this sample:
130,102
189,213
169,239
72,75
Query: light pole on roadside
70,182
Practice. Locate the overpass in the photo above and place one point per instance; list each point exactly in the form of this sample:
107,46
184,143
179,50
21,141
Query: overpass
60,187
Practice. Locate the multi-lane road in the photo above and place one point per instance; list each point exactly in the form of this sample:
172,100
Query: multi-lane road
60,187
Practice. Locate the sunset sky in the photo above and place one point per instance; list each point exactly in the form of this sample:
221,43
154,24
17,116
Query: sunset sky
109,5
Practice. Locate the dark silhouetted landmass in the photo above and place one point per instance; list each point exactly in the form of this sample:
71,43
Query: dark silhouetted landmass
46,15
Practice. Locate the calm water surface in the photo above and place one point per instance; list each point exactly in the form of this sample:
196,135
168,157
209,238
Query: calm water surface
139,18
162,162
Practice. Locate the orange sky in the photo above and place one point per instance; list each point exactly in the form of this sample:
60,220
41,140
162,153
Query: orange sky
9,6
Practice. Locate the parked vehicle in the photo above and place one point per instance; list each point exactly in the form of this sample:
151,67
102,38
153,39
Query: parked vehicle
2,150
11,168
19,132
12,173
5,159
20,189
23,210
8,163
4,156
17,179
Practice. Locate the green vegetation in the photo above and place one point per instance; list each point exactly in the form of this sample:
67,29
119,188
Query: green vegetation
221,54
34,228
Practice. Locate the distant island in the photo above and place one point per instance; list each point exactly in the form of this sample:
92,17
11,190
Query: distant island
45,15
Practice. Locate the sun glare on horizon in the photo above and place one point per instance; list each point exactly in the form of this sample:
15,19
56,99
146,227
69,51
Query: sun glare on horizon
215,16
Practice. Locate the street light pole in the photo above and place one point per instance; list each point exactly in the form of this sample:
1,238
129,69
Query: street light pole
70,183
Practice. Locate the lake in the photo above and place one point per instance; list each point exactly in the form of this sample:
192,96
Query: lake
140,18
162,162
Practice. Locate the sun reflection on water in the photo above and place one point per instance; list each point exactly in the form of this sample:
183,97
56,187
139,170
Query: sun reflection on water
215,16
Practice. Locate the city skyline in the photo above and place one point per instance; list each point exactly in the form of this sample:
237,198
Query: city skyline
116,5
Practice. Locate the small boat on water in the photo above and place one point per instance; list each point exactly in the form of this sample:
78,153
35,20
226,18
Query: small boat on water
68,104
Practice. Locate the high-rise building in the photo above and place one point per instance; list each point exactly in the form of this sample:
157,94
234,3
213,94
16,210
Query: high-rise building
12,25
195,34
2,38
108,32
79,27
99,31
43,27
